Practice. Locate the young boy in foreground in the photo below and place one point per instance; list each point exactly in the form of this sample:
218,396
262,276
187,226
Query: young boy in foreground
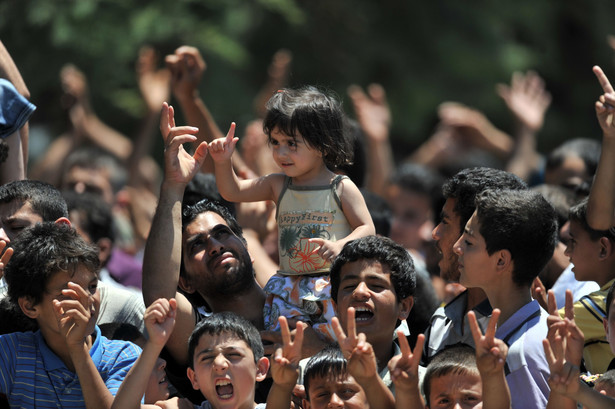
343,375
227,360
505,244
53,277
457,375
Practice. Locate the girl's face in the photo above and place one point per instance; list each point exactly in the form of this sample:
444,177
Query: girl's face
296,159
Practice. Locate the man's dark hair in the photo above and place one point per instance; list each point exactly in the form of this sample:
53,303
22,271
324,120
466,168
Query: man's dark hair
40,252
578,213
386,252
458,359
466,184
91,157
203,186
315,116
329,363
95,216
44,199
227,323
522,222
422,180
588,150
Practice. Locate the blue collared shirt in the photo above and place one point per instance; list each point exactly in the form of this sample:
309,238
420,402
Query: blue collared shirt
32,375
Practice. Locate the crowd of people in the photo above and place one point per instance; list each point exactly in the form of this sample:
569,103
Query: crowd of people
299,266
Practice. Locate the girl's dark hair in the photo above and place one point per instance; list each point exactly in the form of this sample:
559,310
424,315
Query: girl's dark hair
317,117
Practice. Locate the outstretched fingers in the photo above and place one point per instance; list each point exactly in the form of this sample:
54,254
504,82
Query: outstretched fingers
603,80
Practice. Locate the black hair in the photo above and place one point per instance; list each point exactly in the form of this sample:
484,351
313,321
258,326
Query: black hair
578,213
380,211
420,179
357,169
588,150
203,186
458,359
386,252
44,199
40,252
466,184
121,331
95,217
561,198
91,157
228,323
522,222
328,363
315,116
606,379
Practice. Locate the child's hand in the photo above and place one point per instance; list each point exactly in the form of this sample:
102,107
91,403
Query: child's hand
490,351
327,249
76,314
564,377
159,320
575,339
222,149
605,106
404,368
285,362
179,165
359,353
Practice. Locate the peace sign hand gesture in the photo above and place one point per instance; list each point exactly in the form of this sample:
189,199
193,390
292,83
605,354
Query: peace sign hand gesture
605,106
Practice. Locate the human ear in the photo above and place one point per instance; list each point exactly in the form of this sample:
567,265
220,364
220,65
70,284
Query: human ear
606,248
262,366
504,259
405,306
193,379
184,284
28,307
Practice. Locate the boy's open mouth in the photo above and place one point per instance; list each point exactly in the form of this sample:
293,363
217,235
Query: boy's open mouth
224,389
363,314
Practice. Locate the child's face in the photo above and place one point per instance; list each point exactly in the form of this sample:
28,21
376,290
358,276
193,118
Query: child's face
295,157
157,386
582,251
465,390
330,391
44,312
366,285
476,266
225,371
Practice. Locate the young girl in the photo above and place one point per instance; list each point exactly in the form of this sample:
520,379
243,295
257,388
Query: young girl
317,211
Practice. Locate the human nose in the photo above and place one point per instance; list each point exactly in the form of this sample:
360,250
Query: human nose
361,291
161,364
215,245
335,401
435,233
220,362
457,247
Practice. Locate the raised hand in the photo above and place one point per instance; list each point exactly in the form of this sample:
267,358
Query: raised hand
285,362
361,358
179,165
75,314
154,84
372,110
159,320
527,98
491,352
564,377
404,368
187,67
567,328
222,149
605,106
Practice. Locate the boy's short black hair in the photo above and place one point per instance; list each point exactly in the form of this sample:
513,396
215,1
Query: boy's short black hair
456,359
230,323
606,379
578,213
44,199
522,222
466,184
386,252
316,116
41,251
328,363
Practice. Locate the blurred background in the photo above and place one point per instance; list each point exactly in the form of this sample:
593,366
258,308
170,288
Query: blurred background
423,53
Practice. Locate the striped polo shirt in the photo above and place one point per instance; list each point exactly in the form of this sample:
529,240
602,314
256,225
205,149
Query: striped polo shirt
32,375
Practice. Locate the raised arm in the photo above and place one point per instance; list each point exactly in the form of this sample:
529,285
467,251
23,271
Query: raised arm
362,363
163,249
490,359
374,117
601,205
159,320
404,370
285,367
